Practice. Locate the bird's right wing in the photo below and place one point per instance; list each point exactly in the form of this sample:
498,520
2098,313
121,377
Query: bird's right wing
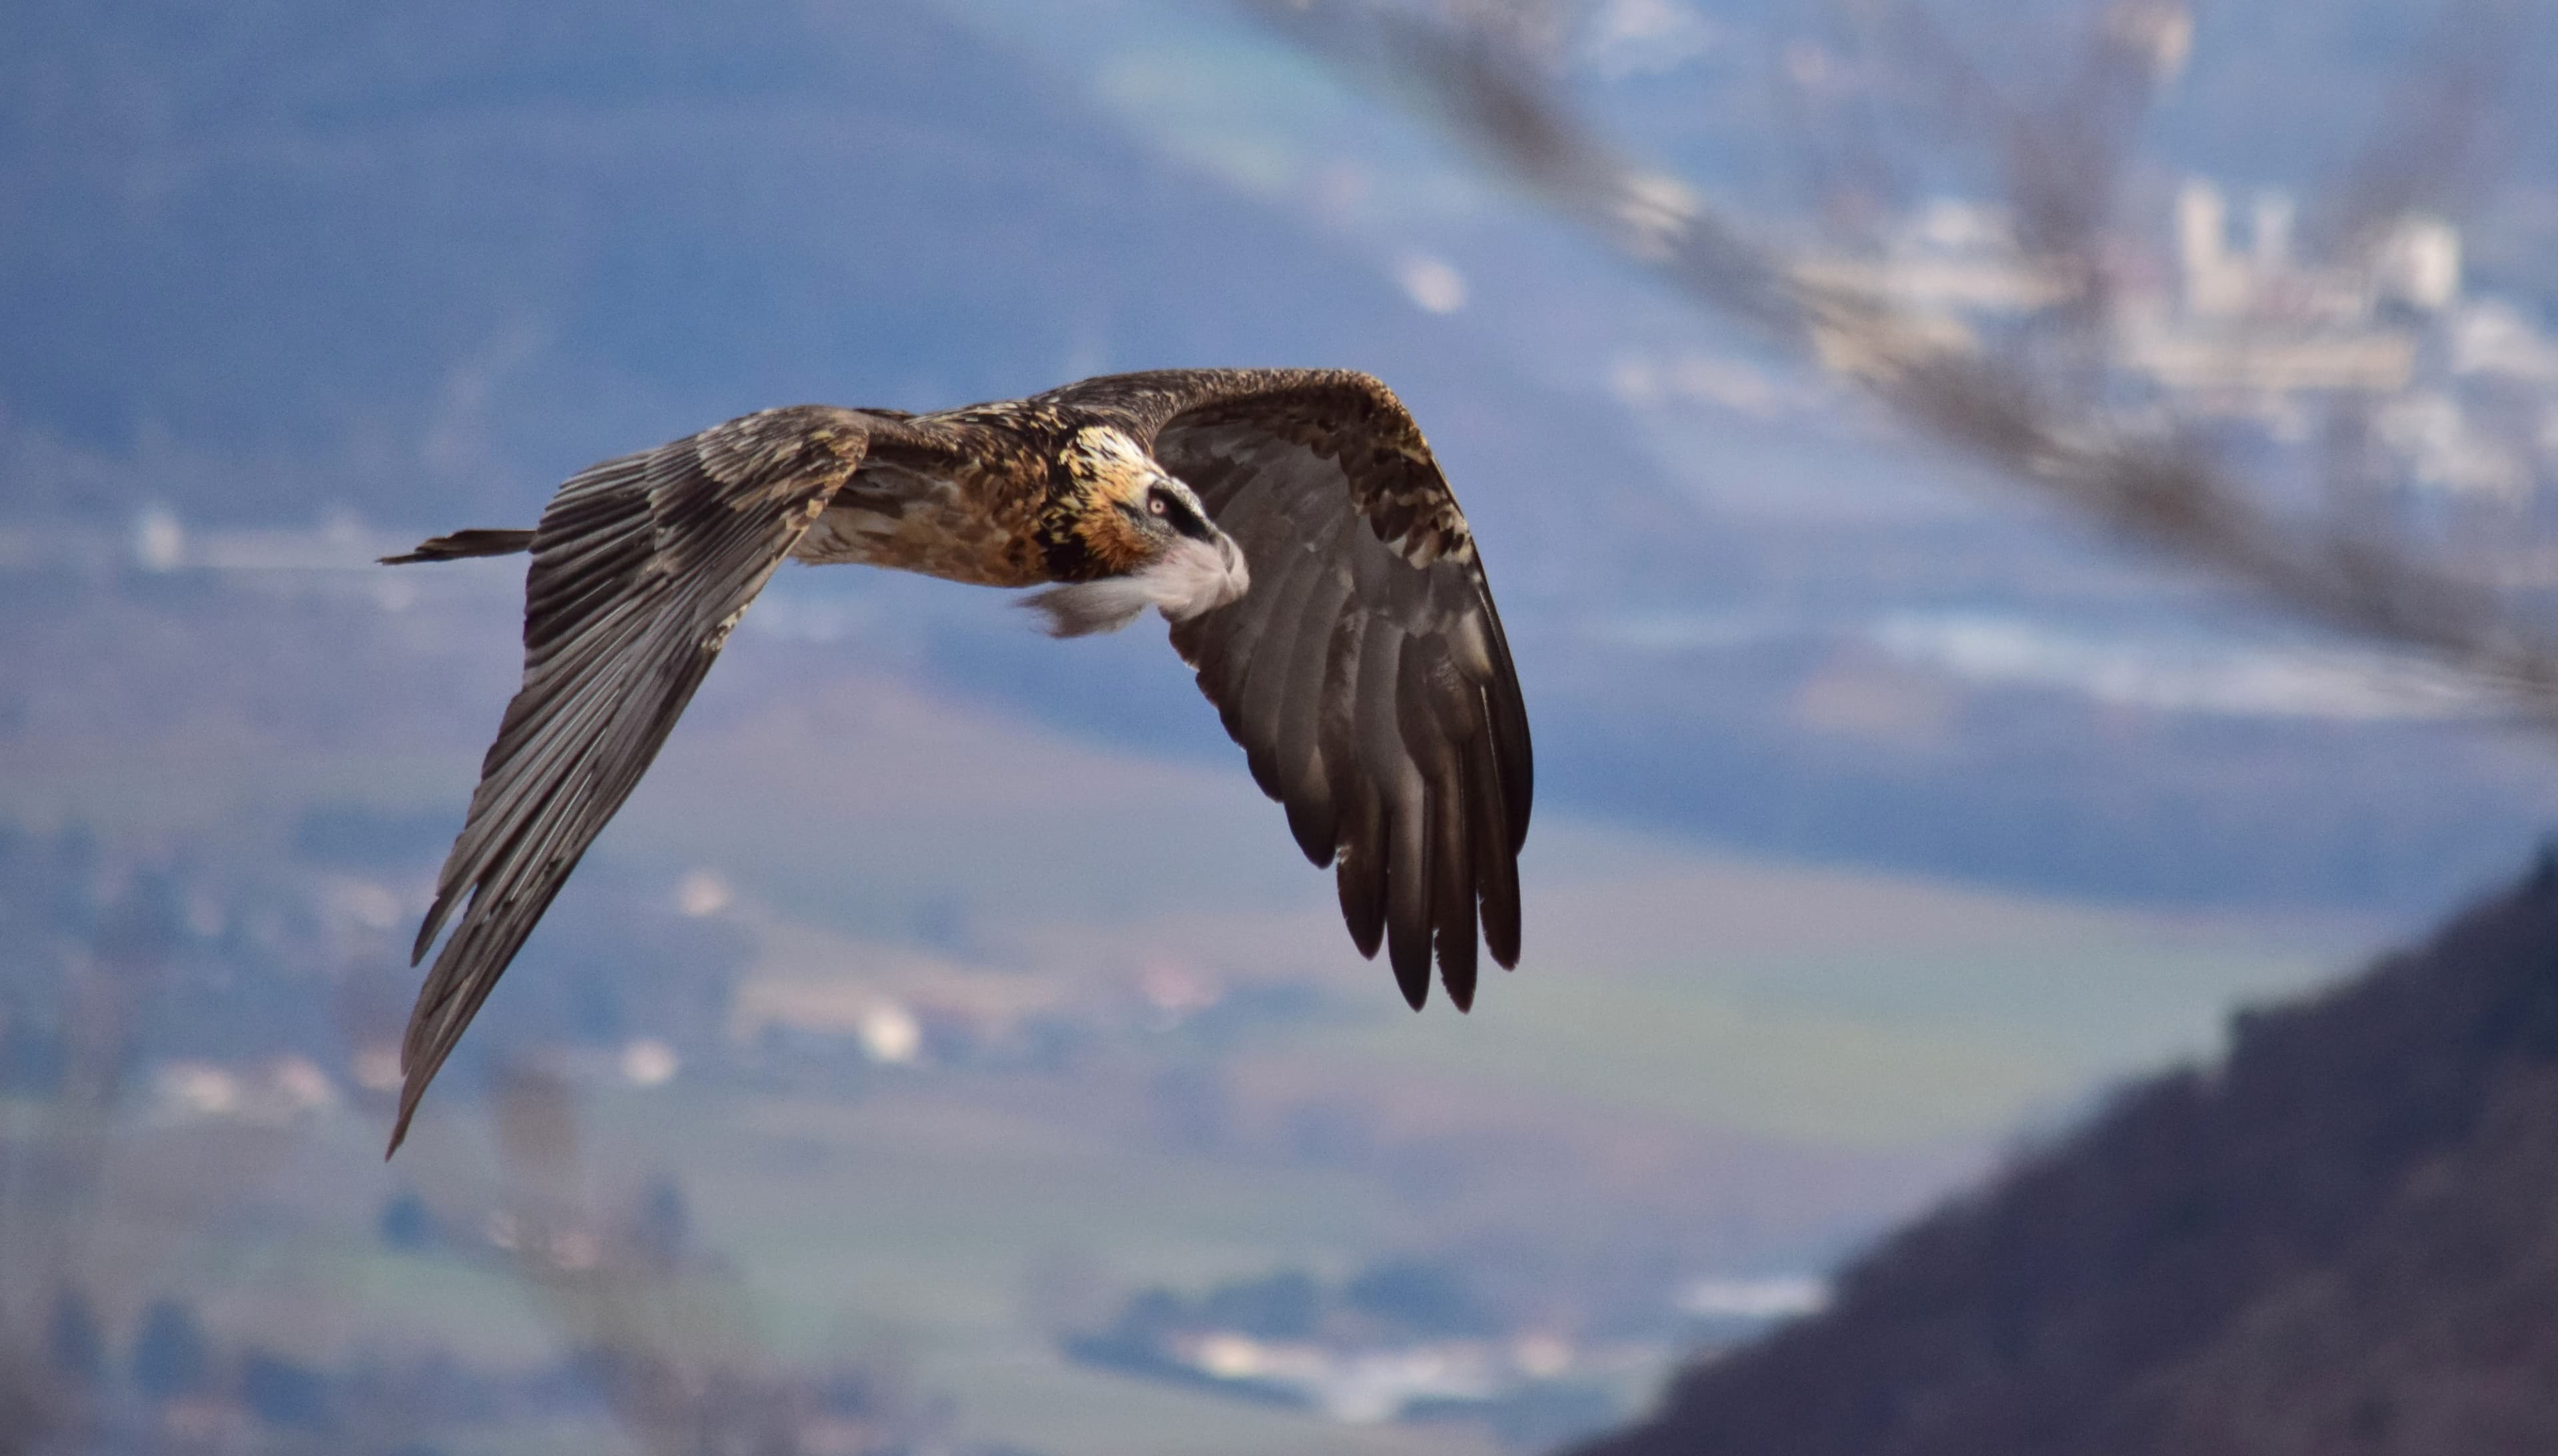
641,568
1366,674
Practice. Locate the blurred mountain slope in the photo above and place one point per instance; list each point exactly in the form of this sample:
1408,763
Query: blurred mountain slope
2339,1240
438,259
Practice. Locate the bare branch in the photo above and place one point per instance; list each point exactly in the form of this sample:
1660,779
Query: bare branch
2029,409
678,1366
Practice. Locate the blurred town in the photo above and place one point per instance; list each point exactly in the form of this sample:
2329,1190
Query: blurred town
2224,321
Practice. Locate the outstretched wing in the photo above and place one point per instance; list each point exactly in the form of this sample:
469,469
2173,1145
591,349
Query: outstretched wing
641,568
1364,673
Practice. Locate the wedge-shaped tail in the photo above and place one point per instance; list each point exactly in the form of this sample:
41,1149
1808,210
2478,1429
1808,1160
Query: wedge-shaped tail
465,543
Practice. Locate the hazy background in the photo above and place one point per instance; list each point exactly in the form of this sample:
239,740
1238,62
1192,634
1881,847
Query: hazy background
951,1033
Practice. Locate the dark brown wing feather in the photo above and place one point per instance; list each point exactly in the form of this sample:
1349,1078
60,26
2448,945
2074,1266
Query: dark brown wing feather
1364,673
640,567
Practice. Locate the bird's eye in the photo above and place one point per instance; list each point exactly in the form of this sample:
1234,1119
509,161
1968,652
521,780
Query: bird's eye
1155,505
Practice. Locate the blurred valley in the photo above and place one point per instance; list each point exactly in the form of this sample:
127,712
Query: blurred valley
947,1003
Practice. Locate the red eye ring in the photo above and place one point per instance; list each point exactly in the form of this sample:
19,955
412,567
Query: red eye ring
1155,505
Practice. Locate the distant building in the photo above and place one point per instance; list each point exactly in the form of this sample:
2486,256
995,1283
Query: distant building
2157,32
2462,393
2247,320
2267,280
2418,263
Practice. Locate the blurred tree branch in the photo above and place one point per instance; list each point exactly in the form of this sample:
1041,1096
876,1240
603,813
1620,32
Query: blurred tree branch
2041,407
52,1155
665,1332
669,1348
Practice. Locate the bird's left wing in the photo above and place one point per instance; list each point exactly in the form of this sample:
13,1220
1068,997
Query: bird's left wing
641,568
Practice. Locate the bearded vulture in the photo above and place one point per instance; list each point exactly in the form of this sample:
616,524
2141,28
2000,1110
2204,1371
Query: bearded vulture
1290,523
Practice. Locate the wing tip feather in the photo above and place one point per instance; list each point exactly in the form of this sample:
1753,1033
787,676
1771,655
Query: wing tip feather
1458,973
412,1092
1413,981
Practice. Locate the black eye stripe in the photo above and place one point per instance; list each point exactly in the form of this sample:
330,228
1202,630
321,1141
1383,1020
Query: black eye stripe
1192,524
1172,511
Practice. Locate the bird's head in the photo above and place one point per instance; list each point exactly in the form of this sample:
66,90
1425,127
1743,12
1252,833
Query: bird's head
1123,536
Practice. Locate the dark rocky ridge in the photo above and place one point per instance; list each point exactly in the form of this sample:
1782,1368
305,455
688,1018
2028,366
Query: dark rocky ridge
2343,1240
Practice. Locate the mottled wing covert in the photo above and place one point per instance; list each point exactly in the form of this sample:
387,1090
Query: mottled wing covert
1364,673
641,568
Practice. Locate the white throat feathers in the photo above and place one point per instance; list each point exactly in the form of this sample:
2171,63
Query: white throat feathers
1191,578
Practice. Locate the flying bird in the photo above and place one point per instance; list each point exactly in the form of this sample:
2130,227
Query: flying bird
1290,523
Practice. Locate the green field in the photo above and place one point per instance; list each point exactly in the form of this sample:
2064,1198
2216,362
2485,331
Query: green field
1715,1063
919,1218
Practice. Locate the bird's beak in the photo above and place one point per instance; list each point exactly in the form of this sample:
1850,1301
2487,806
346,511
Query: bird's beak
1238,577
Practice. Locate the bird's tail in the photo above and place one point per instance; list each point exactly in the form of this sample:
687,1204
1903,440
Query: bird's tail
464,544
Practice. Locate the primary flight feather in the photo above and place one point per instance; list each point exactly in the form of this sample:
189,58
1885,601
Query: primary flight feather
1290,523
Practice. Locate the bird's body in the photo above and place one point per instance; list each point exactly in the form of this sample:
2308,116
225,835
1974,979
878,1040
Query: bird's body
973,496
1290,523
